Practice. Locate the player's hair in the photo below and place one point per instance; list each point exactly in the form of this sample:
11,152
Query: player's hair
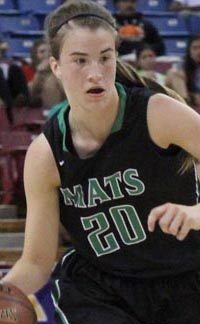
86,13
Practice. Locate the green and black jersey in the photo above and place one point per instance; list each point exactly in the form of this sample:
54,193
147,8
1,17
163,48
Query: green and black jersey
105,199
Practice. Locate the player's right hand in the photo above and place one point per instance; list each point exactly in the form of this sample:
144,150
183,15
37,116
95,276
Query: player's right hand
175,219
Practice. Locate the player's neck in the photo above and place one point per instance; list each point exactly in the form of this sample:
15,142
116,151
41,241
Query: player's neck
94,125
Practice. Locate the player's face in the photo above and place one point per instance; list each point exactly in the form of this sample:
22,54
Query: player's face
87,67
195,51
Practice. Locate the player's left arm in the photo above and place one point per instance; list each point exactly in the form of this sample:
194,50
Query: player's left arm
172,122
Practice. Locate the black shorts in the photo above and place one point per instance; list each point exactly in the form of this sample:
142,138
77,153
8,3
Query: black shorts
84,295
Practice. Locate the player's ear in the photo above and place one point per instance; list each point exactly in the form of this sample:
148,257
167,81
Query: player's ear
55,67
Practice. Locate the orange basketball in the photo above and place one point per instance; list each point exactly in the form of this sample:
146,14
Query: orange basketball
15,307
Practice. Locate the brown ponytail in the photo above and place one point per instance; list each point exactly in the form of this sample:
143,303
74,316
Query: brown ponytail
129,77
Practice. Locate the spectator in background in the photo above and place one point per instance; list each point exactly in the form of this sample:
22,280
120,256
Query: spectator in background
184,78
39,55
38,59
5,95
146,63
45,89
13,84
135,29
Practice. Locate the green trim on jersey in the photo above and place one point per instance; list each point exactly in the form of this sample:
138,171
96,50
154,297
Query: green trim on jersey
56,293
57,108
55,300
60,108
63,106
62,125
122,104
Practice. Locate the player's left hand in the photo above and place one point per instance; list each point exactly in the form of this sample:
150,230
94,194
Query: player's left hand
175,219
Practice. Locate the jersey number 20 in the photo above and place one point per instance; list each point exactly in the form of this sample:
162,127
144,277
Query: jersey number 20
122,216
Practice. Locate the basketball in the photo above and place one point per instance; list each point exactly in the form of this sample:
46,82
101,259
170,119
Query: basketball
15,307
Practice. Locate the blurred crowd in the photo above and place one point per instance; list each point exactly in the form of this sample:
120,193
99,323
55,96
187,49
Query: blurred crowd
30,82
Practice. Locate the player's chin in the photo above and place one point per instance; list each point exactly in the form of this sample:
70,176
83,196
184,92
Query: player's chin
96,97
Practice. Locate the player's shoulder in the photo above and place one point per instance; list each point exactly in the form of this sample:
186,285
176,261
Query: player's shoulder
137,91
138,97
40,160
39,149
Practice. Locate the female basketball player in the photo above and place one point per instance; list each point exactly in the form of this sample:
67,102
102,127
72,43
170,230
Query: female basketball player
112,165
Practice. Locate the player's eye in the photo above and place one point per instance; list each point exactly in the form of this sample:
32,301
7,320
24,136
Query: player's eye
105,58
80,61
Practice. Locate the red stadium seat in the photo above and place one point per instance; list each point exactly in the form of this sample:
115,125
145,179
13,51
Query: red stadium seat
29,119
14,145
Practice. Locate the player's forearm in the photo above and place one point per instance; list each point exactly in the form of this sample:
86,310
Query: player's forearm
27,275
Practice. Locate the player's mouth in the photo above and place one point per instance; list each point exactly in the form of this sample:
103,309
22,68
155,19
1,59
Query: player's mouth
97,91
